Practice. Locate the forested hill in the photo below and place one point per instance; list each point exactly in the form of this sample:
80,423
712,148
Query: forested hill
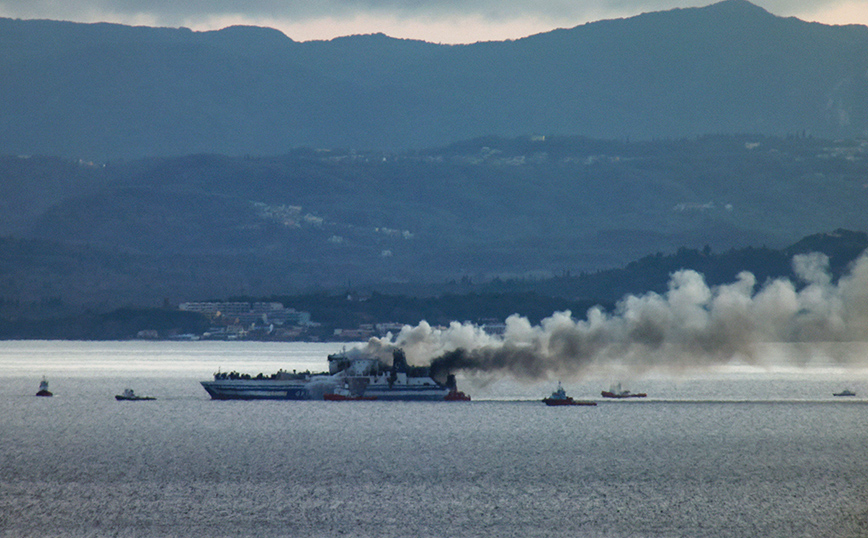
653,273
445,302
183,228
103,91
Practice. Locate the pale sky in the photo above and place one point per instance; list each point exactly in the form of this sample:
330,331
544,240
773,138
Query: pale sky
437,21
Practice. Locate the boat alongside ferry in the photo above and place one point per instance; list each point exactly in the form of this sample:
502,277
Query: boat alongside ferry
352,375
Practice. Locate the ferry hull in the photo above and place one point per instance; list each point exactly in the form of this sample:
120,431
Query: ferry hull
256,390
408,395
273,390
355,376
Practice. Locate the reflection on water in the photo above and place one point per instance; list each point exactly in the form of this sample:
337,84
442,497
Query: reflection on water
785,374
735,452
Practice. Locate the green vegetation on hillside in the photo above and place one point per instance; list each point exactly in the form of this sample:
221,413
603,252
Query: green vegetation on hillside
477,303
142,232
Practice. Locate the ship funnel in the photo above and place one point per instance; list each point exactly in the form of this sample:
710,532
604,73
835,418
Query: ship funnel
399,361
338,362
451,384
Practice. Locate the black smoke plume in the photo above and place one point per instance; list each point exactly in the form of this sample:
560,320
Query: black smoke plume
692,325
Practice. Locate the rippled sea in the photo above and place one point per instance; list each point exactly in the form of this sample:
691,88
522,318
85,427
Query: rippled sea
732,453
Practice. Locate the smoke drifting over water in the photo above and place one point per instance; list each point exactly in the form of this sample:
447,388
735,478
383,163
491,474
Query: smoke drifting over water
692,325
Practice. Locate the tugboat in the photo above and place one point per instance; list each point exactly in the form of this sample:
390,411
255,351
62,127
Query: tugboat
43,388
130,395
559,397
845,392
454,395
616,392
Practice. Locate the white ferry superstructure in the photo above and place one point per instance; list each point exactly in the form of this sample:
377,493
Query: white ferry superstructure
352,375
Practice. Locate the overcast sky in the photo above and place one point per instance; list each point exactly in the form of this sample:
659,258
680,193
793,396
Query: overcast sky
438,21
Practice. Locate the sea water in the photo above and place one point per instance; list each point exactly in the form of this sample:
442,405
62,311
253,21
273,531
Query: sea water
736,452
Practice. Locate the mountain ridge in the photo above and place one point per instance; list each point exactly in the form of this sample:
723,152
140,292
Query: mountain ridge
106,91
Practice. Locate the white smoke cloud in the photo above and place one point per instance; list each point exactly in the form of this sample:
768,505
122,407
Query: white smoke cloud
692,325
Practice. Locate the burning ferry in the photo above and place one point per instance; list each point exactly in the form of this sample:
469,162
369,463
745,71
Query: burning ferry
352,375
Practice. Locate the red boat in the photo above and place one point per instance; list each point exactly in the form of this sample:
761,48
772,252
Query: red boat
456,396
559,397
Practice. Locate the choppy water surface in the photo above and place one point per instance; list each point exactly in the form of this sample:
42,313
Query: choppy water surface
779,458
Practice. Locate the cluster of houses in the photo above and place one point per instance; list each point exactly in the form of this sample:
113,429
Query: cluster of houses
273,321
240,320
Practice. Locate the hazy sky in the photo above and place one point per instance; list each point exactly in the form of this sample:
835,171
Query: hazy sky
439,21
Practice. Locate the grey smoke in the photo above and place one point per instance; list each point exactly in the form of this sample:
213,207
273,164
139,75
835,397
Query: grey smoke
692,325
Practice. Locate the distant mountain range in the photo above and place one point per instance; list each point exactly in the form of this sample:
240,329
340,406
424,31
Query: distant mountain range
204,226
139,164
103,91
